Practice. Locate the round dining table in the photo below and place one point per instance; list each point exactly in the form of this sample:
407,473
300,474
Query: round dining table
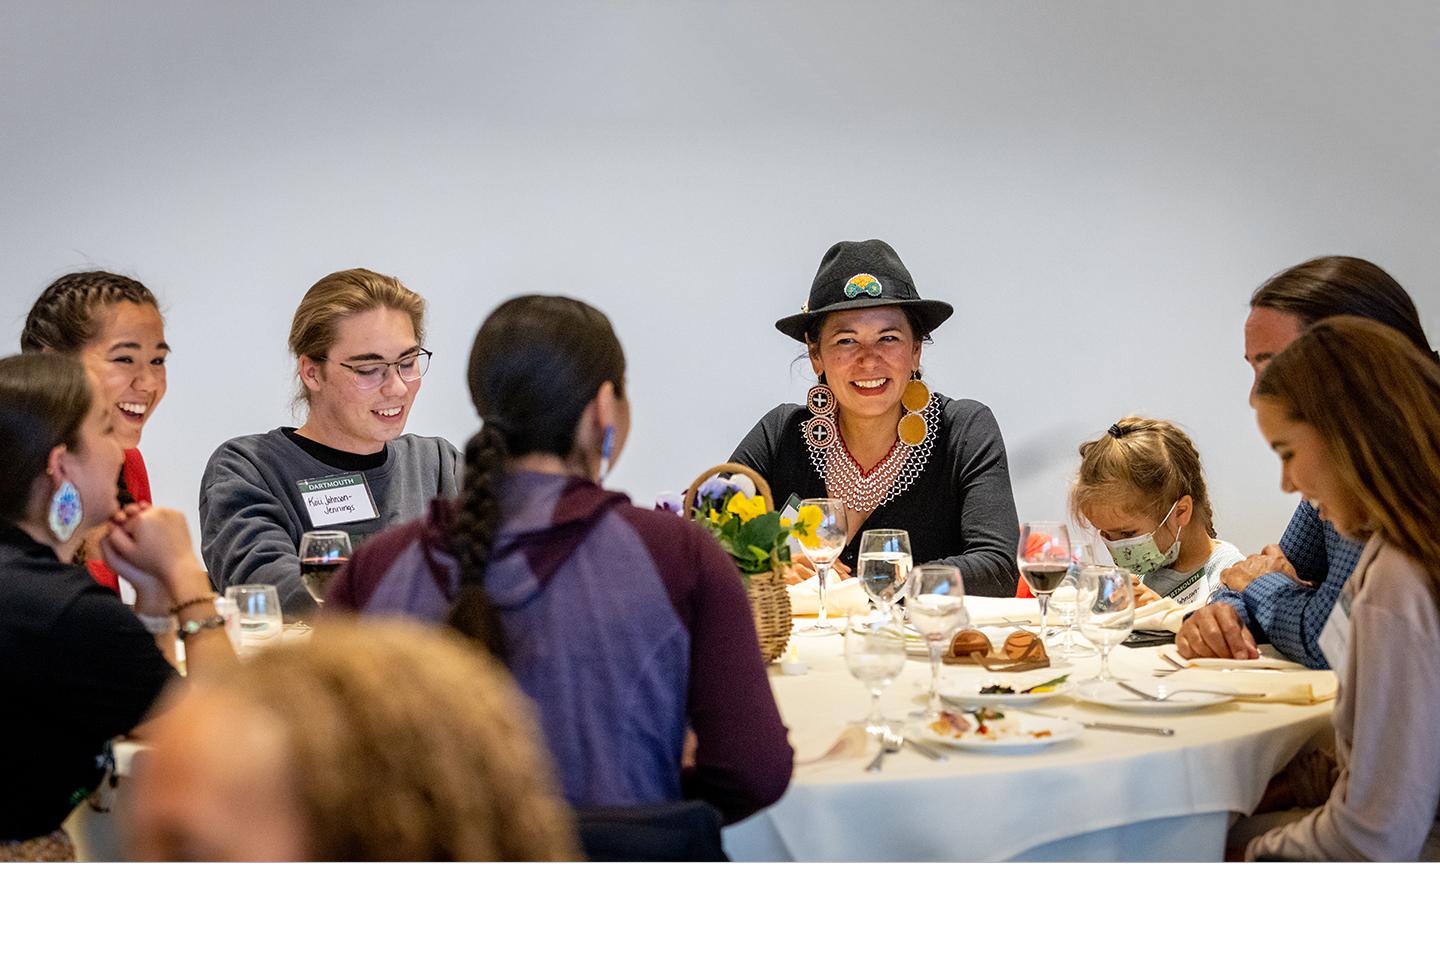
1104,796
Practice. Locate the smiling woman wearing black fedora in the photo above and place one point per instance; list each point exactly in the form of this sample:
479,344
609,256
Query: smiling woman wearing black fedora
873,434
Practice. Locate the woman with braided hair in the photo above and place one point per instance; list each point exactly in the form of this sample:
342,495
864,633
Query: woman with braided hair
112,324
626,627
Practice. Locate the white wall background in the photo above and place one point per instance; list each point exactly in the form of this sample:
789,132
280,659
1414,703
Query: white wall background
1097,187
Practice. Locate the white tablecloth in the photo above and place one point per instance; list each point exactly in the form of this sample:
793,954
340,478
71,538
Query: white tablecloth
1106,795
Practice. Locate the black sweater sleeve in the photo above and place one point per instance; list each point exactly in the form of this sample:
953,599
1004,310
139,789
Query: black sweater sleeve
991,528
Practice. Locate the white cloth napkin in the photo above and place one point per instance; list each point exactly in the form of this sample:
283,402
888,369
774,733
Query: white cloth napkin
842,597
1278,686
1164,614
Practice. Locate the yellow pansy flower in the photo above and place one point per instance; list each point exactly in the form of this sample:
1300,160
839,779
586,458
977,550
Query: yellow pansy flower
808,519
714,516
746,508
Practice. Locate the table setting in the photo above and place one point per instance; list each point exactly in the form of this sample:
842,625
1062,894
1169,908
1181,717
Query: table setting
1071,747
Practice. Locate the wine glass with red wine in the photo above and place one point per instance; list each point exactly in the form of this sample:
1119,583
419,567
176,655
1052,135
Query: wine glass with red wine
1044,555
322,555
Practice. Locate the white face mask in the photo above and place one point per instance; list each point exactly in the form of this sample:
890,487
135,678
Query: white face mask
1140,555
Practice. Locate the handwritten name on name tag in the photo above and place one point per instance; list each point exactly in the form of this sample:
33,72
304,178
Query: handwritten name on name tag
343,498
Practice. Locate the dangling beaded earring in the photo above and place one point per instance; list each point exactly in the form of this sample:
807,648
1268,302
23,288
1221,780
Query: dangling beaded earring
66,512
915,399
607,450
820,428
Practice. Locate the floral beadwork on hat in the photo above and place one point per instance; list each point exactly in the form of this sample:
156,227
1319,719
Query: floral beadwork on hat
861,283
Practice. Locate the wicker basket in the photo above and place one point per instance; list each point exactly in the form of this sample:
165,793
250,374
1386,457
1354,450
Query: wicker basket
769,599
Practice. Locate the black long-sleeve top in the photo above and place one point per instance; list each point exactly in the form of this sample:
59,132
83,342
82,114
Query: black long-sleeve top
960,509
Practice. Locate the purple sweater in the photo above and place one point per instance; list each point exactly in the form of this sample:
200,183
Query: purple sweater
625,626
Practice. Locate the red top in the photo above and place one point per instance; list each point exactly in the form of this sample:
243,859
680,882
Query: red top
137,481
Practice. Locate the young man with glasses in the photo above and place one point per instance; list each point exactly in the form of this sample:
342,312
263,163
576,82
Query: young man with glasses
357,339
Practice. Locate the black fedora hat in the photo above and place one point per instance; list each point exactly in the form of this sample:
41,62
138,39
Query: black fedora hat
855,274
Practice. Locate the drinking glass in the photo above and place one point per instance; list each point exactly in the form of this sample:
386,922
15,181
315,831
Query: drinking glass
884,563
935,603
323,553
260,621
1106,604
875,654
831,534
1044,556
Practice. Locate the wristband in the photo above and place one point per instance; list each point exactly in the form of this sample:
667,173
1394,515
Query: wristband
158,623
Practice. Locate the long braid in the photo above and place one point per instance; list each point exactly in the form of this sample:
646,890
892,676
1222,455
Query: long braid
62,318
472,539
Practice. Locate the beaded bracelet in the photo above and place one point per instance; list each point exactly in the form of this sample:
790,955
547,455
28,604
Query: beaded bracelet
207,598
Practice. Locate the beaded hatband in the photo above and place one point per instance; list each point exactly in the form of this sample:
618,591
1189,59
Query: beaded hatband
866,492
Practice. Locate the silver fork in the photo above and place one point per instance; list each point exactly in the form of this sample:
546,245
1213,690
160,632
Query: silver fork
1167,694
890,742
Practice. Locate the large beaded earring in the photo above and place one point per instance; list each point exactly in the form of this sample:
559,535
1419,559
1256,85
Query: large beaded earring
820,428
66,512
914,400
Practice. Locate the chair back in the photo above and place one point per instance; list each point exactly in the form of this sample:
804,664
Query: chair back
666,832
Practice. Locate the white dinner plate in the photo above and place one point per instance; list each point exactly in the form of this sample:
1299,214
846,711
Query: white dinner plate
1107,694
1021,738
966,693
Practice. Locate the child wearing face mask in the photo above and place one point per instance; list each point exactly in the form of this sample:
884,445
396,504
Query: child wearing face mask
1141,487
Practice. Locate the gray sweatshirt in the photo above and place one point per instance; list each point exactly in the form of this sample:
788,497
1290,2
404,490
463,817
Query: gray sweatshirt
252,512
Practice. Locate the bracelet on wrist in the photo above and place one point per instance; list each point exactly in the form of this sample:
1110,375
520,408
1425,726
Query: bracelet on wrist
187,630
207,598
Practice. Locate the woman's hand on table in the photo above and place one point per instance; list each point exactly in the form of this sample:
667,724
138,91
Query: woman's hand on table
801,569
1215,630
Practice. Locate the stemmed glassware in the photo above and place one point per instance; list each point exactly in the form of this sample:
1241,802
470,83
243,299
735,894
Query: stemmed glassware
935,602
875,655
830,536
1062,601
323,553
884,563
1105,601
1044,557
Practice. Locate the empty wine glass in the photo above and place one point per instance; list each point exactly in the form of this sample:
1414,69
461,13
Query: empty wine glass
935,603
323,553
826,541
1062,602
884,563
875,655
1044,557
1105,602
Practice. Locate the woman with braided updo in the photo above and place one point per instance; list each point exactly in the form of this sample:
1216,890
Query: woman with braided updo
113,325
627,627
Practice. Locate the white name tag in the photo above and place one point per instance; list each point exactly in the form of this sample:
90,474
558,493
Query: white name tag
343,498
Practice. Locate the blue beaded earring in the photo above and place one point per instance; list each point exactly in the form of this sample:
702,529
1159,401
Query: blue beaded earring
65,512
607,448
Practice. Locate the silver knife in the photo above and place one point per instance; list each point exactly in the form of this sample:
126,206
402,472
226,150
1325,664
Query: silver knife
1120,727
1127,728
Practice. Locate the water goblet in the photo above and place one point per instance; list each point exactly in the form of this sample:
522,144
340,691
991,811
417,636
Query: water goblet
875,655
828,538
1105,601
935,603
883,564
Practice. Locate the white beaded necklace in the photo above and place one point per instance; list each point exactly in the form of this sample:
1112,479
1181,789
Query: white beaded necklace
865,492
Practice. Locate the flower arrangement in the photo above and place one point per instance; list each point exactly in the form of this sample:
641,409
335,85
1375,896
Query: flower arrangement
757,538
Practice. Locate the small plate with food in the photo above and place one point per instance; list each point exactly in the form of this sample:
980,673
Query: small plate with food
1001,731
1017,690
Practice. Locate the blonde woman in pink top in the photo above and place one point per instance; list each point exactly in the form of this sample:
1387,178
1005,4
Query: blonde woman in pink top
1365,450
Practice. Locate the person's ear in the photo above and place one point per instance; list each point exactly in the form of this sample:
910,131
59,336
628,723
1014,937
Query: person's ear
55,465
309,371
813,348
1184,511
915,357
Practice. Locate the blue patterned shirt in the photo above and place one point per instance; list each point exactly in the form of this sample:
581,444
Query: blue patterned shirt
1290,615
